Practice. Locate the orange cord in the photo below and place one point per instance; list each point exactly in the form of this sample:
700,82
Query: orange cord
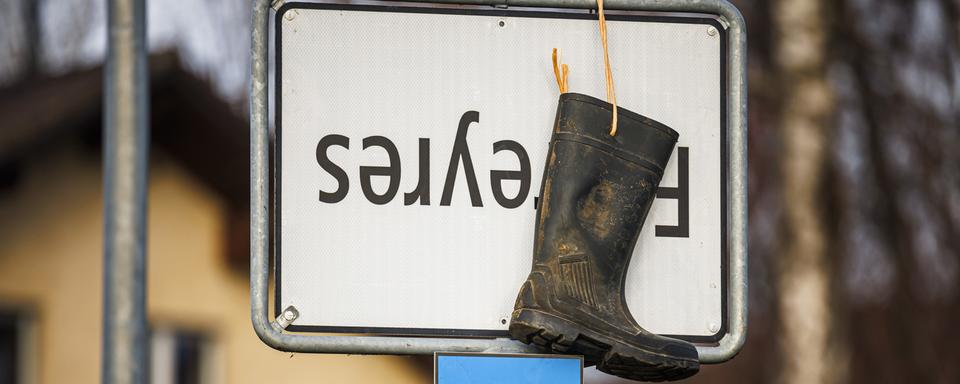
561,75
611,95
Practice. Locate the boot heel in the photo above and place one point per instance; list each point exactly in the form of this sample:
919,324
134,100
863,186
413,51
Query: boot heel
547,331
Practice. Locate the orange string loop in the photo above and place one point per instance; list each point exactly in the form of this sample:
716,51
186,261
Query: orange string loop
611,94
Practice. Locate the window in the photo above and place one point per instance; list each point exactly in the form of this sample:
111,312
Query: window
9,349
16,342
182,357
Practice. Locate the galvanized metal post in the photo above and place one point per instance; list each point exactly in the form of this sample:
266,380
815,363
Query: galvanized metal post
125,145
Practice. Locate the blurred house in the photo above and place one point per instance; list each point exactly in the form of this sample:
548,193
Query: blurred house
51,234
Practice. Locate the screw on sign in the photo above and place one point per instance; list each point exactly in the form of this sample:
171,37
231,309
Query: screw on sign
287,317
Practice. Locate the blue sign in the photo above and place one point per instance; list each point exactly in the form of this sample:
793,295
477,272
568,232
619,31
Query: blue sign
481,368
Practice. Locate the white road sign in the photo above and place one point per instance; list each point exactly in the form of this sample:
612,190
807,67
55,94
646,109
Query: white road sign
410,149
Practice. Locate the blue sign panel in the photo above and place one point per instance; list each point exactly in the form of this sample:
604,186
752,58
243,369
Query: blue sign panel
463,368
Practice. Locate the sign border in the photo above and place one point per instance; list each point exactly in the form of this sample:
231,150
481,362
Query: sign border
272,331
402,331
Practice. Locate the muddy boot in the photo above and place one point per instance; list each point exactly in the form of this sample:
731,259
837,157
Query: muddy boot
595,195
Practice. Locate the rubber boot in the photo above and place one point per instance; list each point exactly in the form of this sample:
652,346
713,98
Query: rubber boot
595,195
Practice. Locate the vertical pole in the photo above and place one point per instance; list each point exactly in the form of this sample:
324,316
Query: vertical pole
126,138
31,19
259,168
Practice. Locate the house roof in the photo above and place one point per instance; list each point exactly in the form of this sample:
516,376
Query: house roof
188,120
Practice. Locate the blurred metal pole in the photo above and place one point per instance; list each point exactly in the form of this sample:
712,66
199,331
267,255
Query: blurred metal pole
125,145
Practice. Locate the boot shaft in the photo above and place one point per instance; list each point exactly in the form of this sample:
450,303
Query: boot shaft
598,187
639,139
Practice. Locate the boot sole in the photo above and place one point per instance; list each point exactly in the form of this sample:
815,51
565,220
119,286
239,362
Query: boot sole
563,336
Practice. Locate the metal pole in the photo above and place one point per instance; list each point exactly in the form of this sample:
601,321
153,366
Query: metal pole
126,139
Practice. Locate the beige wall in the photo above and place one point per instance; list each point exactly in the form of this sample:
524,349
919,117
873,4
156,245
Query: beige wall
50,263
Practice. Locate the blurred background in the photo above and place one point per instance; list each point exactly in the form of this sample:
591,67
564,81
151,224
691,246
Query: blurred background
854,198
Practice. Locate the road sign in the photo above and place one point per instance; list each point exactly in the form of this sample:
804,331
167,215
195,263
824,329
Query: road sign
410,146
414,95
486,368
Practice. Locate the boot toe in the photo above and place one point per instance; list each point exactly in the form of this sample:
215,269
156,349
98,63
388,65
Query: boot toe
641,364
682,350
666,346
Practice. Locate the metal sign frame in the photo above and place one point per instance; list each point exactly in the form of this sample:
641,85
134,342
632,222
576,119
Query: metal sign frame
271,331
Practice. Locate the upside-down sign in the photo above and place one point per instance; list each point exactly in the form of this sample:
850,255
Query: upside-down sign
410,145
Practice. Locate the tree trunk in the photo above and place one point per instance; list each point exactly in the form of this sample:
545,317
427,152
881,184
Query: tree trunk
32,41
808,348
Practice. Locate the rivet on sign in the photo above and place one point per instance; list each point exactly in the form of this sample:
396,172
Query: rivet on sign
712,31
502,23
713,327
287,317
503,320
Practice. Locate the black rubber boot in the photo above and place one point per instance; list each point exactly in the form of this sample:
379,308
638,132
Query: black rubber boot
595,195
